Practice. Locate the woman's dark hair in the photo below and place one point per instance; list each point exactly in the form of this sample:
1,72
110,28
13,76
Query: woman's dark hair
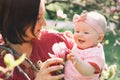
16,16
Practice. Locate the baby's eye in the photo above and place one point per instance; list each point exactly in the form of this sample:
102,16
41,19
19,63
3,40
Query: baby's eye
86,32
77,31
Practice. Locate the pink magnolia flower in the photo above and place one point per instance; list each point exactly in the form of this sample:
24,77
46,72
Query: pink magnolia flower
60,50
60,14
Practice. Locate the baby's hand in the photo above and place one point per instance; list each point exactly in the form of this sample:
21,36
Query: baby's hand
71,56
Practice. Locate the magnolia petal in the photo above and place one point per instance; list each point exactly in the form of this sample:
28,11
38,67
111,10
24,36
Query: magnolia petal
9,60
55,48
20,60
60,49
51,55
62,45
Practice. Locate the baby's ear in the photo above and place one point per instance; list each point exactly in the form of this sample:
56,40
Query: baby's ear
101,37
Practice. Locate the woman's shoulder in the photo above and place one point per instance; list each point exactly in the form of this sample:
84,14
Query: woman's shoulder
47,33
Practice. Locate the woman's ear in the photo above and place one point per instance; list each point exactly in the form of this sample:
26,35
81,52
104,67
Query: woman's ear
101,37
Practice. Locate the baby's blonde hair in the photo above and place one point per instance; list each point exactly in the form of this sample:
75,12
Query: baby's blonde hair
98,18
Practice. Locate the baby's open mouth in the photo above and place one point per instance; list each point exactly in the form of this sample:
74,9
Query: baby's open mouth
81,41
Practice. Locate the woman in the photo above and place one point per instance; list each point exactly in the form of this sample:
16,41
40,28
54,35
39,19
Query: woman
20,25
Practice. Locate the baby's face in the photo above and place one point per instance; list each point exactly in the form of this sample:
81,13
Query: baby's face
85,36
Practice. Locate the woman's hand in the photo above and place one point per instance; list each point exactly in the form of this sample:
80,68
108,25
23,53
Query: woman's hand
46,69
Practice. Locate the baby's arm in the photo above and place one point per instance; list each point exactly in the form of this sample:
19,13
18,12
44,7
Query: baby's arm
83,67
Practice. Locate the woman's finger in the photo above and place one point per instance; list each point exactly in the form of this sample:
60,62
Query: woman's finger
54,68
57,77
51,61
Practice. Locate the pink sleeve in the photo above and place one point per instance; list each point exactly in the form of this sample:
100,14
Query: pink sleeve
96,59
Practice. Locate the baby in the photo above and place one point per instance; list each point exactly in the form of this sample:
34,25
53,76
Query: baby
86,61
